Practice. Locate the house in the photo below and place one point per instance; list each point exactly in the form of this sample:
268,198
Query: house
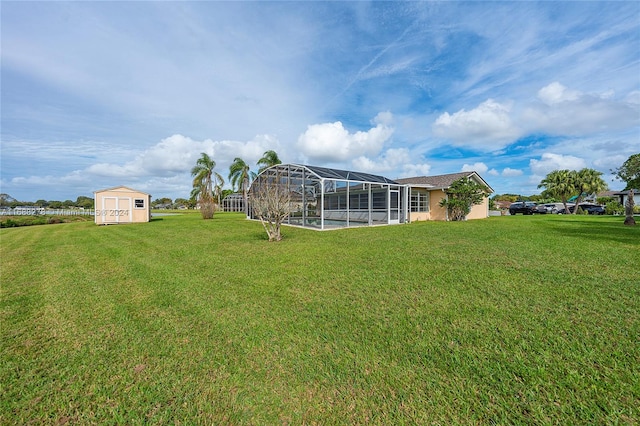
121,204
427,192
325,198
623,195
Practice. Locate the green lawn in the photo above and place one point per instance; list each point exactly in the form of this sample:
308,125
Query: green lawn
509,320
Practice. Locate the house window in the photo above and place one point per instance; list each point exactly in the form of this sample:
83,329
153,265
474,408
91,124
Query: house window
419,200
139,203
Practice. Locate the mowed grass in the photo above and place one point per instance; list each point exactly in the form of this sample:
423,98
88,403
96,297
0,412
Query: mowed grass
509,320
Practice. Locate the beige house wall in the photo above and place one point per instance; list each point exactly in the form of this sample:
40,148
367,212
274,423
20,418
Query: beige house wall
479,211
419,216
121,205
437,212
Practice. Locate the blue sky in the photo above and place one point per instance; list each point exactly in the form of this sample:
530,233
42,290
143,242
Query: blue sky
99,94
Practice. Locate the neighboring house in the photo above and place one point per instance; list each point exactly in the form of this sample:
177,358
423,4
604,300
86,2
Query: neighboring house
427,192
121,205
325,198
623,195
502,205
607,194
165,206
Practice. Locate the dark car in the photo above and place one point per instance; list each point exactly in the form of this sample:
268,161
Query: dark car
586,207
592,208
562,210
540,209
524,207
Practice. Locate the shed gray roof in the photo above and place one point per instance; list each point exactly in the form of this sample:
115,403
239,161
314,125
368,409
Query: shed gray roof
441,181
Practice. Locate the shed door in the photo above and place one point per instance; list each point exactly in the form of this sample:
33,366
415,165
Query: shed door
116,209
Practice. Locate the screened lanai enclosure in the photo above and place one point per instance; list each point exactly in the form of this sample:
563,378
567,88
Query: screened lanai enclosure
233,203
324,198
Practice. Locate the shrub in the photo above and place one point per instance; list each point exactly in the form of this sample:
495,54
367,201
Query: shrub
614,208
9,223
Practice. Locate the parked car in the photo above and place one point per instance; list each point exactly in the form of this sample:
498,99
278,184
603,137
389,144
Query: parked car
541,209
592,208
561,210
553,208
587,207
524,207
550,208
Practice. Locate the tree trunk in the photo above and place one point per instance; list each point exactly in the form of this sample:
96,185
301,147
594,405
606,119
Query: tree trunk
628,209
207,209
245,199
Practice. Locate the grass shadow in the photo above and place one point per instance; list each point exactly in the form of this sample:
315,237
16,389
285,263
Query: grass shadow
598,229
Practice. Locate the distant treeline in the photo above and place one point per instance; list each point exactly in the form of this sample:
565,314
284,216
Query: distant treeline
7,201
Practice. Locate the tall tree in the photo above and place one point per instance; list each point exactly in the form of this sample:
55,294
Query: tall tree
85,202
587,181
204,180
240,177
461,196
560,184
6,199
269,158
630,172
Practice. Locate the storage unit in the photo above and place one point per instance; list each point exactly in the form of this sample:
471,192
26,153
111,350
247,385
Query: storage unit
121,205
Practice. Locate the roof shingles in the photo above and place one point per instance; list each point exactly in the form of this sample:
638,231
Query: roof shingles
439,181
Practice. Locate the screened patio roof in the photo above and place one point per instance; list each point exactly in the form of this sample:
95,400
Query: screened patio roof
327,173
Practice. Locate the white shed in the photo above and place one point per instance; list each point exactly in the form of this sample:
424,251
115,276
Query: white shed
121,205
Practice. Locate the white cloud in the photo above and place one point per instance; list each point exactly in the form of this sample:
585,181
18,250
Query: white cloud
178,154
487,127
163,167
509,172
559,110
385,118
633,97
555,93
332,142
610,162
475,167
394,160
391,159
549,162
570,112
419,169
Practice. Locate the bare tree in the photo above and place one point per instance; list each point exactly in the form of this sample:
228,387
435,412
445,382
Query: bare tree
628,209
270,200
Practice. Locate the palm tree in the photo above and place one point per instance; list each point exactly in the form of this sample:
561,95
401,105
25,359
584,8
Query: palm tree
240,177
588,181
559,183
205,179
269,158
